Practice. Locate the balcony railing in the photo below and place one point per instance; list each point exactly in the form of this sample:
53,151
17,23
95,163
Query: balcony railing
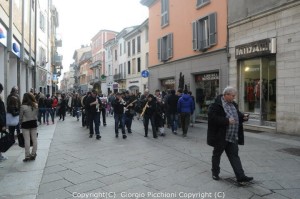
58,60
119,76
95,64
94,80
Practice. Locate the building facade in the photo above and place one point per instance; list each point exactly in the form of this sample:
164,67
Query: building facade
98,57
264,45
137,54
25,45
85,72
191,46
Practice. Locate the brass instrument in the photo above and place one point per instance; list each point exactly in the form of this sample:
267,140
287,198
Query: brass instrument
126,108
144,109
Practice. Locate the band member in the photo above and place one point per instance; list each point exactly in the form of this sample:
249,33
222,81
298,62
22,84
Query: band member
129,110
118,105
92,105
104,102
149,114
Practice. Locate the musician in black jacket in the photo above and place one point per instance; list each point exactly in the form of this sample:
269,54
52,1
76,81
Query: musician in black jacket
149,114
92,106
129,110
118,105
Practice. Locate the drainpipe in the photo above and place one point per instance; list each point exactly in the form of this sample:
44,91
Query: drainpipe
35,46
9,48
23,48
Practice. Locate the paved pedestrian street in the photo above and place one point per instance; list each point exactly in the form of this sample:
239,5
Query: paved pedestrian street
72,165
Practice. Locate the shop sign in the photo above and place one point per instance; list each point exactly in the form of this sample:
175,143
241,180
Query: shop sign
3,35
15,46
132,82
257,48
168,82
206,77
115,86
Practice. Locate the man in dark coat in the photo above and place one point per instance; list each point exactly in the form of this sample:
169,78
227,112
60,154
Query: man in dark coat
225,132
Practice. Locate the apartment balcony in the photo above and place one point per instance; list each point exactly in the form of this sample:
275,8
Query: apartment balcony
94,80
96,64
58,60
119,77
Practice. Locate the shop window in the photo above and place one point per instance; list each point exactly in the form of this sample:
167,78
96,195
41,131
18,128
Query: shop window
258,89
207,89
205,32
165,47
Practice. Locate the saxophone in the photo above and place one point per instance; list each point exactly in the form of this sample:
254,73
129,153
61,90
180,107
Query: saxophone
144,109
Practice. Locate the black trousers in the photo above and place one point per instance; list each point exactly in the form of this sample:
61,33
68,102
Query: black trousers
231,150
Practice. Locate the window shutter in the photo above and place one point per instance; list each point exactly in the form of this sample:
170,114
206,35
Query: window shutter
167,12
200,33
195,40
159,49
170,46
212,18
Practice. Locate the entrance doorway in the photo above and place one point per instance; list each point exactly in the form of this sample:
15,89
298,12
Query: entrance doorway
257,94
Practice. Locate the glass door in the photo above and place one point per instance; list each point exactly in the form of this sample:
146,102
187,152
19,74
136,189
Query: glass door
258,90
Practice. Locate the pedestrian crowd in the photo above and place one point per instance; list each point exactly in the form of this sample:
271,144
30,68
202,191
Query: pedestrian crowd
171,109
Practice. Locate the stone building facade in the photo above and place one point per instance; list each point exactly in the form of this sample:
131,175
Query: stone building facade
264,46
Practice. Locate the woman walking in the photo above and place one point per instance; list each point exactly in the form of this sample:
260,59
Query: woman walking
28,120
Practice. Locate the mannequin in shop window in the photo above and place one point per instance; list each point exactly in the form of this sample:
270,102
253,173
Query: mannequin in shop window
250,95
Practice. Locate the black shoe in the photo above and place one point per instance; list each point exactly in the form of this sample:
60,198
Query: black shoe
215,177
244,179
91,135
130,131
145,136
33,156
124,136
104,124
117,135
155,136
98,137
27,159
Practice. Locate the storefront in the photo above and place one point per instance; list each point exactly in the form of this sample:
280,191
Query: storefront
207,88
256,63
168,84
134,85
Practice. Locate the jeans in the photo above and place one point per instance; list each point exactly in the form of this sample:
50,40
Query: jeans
12,129
174,121
185,122
49,111
231,150
119,119
128,121
94,119
42,113
146,124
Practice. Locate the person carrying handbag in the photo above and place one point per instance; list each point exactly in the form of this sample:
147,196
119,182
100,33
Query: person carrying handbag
13,107
28,120
2,119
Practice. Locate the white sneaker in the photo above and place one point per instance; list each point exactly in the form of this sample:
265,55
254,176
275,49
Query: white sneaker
2,158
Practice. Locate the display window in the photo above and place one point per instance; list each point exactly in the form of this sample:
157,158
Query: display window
207,89
168,84
257,94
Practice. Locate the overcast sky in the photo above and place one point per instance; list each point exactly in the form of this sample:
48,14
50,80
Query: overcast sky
80,20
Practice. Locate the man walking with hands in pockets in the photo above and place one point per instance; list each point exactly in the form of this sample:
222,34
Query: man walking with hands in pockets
225,132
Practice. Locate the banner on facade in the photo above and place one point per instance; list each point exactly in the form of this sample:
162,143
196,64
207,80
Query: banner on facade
3,35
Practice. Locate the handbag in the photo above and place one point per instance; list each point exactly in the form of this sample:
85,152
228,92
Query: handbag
6,141
21,140
12,120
